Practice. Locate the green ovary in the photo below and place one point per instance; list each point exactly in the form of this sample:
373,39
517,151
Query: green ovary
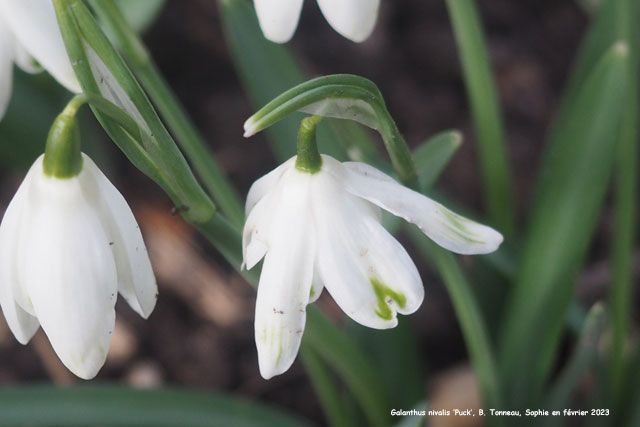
382,293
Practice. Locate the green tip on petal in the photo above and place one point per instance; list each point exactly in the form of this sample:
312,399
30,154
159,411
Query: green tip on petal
385,295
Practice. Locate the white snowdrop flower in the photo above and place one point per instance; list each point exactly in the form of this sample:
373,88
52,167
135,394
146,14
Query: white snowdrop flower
321,227
68,245
30,37
353,19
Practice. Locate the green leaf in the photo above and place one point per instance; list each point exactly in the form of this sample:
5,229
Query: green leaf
487,118
433,155
152,150
570,191
122,406
473,326
192,143
140,14
583,358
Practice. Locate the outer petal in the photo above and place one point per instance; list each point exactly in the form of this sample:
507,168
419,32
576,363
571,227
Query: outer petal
368,273
353,19
21,323
70,273
6,67
446,228
285,282
35,26
278,18
137,283
265,184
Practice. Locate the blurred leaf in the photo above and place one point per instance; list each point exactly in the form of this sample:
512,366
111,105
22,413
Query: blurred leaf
433,155
35,103
140,13
120,406
570,191
487,118
582,359
471,321
414,420
325,389
624,231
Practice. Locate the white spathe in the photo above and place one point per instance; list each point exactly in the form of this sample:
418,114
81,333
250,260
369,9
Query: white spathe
324,230
353,19
67,247
30,37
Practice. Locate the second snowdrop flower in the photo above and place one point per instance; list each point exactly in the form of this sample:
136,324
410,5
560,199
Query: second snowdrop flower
317,224
353,19
29,32
68,245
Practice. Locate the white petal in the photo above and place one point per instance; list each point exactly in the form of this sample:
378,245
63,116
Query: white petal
446,228
278,18
70,273
353,19
316,286
285,282
21,323
265,184
35,26
257,228
6,68
366,271
137,283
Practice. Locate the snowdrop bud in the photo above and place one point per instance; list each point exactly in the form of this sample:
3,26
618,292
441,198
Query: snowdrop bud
68,244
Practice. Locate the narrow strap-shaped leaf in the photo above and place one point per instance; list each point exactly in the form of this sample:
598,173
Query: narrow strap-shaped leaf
583,358
111,405
432,156
190,140
487,117
570,192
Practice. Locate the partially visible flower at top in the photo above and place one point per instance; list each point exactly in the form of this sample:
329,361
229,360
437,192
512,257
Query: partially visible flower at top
31,38
353,19
68,244
321,227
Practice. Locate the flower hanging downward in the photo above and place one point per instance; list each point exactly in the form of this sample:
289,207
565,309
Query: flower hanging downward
317,223
29,32
68,244
353,19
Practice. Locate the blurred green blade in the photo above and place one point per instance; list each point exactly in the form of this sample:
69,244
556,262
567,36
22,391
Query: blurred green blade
625,202
583,358
487,118
432,156
140,14
573,180
122,406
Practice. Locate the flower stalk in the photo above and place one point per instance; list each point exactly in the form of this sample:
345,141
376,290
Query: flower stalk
62,156
309,159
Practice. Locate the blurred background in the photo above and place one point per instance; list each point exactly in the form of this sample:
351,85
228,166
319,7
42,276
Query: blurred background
201,332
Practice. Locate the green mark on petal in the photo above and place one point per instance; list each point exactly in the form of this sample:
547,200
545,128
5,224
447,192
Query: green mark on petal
383,292
312,293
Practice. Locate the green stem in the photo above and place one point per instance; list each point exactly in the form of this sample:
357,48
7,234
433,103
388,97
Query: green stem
187,136
308,159
485,111
62,154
